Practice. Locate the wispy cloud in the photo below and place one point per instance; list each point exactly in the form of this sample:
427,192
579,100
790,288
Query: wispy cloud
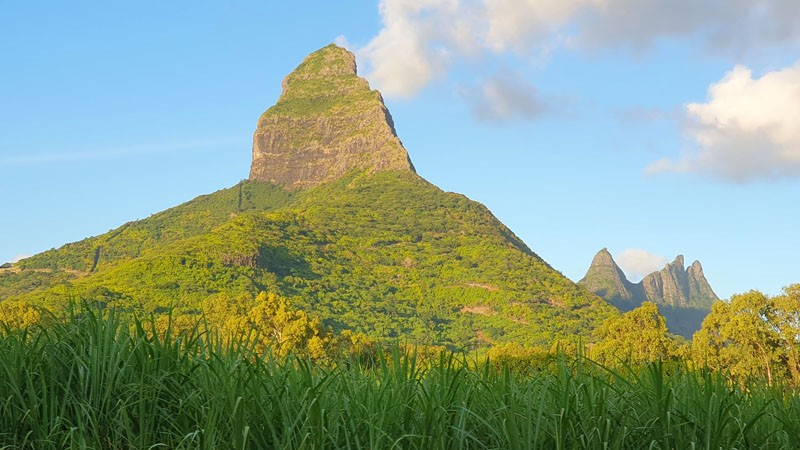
29,159
642,114
506,96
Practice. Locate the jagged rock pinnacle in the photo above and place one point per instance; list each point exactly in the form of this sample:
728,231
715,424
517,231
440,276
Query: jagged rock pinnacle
673,285
700,291
326,123
607,280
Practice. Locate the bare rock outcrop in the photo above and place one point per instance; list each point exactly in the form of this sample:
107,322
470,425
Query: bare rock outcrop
673,285
326,123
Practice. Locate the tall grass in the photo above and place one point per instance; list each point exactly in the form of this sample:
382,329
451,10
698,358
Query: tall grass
102,382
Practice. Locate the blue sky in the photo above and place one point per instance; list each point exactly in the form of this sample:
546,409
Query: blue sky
641,126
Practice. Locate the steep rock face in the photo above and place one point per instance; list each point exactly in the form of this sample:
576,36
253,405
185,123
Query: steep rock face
326,123
677,287
684,295
669,286
700,292
607,280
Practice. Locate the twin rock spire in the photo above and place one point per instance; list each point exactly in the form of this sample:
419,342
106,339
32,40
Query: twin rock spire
673,285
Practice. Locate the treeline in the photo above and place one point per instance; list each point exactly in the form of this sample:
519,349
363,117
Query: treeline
753,337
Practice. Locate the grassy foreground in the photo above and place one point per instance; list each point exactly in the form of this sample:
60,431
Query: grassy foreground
102,382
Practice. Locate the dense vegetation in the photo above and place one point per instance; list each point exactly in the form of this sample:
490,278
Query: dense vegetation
387,255
131,240
754,336
97,381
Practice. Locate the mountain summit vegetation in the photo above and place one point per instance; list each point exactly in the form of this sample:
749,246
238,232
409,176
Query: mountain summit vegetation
334,232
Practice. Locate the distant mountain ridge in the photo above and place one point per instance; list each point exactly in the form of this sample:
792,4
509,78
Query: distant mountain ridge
678,287
683,294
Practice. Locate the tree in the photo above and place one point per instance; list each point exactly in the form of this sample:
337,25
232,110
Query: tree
636,337
742,338
229,314
784,318
17,315
284,329
515,356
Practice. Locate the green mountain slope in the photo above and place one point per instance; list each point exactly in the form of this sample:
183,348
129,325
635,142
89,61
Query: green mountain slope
377,249
386,254
189,219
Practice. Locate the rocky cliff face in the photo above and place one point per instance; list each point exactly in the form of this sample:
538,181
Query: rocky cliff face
669,285
685,293
700,292
677,287
326,123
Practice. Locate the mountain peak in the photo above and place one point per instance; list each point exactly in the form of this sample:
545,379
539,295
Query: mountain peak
675,286
604,254
332,60
326,123
700,292
606,279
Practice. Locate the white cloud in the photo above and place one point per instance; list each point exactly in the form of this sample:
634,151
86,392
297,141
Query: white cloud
745,26
341,41
749,128
504,97
415,44
523,24
636,263
636,23
421,39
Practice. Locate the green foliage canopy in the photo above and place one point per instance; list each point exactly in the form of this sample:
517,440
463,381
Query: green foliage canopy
753,336
636,337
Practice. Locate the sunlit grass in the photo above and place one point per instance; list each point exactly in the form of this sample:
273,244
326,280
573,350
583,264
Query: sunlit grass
103,382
